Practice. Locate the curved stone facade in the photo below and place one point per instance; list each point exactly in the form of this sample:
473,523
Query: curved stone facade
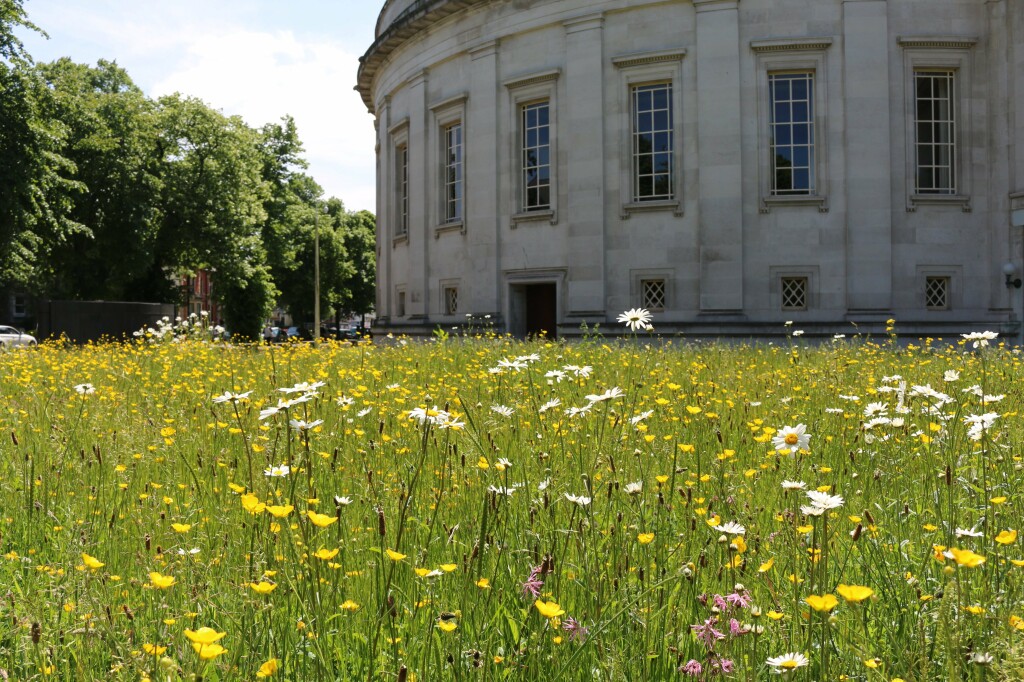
729,164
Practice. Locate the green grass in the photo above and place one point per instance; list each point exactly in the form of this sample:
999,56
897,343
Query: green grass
442,523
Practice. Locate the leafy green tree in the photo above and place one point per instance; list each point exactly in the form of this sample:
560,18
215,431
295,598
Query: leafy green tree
37,185
359,232
212,209
111,137
12,15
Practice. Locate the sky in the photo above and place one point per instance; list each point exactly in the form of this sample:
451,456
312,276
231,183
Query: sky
259,59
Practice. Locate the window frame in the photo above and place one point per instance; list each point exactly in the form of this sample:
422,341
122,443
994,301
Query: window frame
953,274
523,91
792,56
939,53
399,135
445,115
810,273
638,70
445,286
639,276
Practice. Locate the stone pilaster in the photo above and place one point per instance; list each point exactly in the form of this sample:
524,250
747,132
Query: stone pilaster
385,217
584,105
482,272
422,179
719,128
868,152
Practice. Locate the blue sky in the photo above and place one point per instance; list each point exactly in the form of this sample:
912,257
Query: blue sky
260,59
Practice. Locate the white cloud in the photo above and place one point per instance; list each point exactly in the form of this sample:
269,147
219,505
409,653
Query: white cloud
263,76
220,52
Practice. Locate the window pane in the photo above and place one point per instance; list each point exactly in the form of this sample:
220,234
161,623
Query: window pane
536,156
935,130
652,142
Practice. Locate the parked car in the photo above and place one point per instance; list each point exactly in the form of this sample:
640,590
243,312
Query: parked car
10,337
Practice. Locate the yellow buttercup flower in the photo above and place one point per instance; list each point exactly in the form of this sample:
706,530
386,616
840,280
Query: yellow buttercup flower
326,554
252,504
965,557
321,520
263,587
161,581
766,566
446,625
204,635
208,651
181,527
349,605
448,568
394,556
645,538
280,511
854,593
92,562
153,649
1007,537
824,603
549,609
268,668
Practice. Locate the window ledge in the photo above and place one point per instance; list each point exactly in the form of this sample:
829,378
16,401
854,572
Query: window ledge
652,206
770,202
534,217
454,226
400,239
952,200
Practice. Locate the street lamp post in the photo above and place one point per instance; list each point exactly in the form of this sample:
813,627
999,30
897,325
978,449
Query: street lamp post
316,279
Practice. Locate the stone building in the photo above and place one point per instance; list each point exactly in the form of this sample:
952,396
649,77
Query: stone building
727,164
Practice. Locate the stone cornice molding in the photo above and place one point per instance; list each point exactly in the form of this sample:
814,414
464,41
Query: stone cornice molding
455,101
715,5
641,58
420,15
533,79
399,127
587,22
487,49
790,45
937,42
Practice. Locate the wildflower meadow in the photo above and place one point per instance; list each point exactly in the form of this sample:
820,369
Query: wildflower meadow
479,508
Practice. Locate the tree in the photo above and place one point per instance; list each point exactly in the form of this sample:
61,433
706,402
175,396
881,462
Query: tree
213,207
37,187
359,232
111,137
12,15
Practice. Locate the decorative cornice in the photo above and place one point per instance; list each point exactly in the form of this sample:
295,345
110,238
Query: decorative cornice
937,42
637,59
420,15
455,101
715,5
399,127
486,49
533,79
790,45
587,22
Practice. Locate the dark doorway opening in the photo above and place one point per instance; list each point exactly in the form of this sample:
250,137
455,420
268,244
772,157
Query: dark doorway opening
534,309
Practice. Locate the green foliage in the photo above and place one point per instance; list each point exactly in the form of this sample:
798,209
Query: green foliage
434,508
111,139
104,193
359,230
247,303
37,189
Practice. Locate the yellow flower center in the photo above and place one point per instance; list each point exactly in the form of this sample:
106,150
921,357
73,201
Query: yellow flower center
789,664
791,439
